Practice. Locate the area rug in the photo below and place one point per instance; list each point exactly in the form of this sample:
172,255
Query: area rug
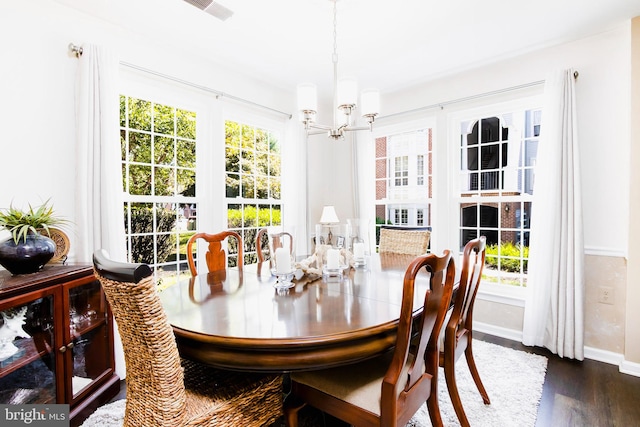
513,380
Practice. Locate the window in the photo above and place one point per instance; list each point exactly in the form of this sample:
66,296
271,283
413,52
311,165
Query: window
420,168
403,168
253,183
497,159
401,171
158,145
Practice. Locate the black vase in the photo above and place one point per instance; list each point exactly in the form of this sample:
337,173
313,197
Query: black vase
27,256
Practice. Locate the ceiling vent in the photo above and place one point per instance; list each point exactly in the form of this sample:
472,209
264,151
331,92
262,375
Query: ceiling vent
212,8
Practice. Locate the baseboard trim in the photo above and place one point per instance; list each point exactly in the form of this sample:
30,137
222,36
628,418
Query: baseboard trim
591,353
603,356
630,368
486,328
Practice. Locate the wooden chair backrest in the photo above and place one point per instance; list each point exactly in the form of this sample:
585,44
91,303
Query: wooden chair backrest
461,319
216,257
279,237
417,340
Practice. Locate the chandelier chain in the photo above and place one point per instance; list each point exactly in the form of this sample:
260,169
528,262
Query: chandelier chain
335,31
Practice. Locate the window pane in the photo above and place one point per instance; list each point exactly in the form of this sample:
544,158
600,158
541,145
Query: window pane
253,169
163,150
497,161
139,147
163,119
186,124
157,232
139,114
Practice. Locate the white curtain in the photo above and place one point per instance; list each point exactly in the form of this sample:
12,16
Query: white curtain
554,310
99,201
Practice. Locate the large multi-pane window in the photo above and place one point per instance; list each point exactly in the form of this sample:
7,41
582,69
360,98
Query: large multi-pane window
253,183
497,159
403,164
158,144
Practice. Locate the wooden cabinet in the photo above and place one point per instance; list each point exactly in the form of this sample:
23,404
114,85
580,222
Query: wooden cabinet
63,351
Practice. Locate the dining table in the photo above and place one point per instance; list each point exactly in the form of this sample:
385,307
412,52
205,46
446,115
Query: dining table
236,319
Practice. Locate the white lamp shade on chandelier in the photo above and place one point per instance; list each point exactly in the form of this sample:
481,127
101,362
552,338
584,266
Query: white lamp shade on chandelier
307,97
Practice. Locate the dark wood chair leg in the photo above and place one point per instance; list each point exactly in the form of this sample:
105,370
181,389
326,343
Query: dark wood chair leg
468,354
291,407
433,406
452,387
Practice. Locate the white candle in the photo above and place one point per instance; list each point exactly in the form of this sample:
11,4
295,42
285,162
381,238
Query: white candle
283,261
333,259
358,250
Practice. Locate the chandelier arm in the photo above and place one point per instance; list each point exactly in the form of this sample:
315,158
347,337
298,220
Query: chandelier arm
318,126
352,128
317,132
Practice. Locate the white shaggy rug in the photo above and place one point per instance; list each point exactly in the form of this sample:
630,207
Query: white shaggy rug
513,379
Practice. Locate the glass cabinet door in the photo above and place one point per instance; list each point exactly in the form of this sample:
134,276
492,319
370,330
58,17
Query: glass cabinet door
89,351
27,349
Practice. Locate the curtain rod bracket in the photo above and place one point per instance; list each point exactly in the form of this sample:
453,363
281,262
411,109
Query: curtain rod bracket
75,49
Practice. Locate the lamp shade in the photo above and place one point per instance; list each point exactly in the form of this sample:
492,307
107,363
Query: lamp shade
370,102
347,91
307,97
329,215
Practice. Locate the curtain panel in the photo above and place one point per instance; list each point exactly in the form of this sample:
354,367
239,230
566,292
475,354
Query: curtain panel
99,201
554,310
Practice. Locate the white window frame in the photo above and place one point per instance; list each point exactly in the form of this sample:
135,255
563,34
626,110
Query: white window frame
272,123
153,88
494,292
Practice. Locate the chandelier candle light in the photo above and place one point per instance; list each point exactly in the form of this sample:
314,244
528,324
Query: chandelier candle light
345,93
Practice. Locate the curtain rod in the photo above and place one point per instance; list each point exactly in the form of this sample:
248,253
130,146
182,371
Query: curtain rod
77,51
441,105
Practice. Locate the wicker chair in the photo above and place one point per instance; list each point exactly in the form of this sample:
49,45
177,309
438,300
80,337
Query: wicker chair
162,389
387,390
404,241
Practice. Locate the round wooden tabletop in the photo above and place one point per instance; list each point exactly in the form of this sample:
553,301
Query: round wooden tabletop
238,321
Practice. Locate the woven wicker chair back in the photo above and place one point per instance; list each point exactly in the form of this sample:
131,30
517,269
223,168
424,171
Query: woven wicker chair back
409,242
155,383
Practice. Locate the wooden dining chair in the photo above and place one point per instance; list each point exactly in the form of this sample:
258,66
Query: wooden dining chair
389,389
404,241
262,244
163,389
458,329
216,257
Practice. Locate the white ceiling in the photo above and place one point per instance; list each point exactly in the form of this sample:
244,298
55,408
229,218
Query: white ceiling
384,44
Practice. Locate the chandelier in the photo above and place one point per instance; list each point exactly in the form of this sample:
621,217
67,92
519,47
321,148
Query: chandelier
345,93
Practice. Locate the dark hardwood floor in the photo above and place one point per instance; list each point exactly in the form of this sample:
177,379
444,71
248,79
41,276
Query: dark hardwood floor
575,394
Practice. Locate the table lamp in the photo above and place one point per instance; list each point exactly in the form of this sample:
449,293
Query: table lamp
329,218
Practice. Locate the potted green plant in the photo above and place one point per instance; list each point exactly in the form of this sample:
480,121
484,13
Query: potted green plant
29,248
